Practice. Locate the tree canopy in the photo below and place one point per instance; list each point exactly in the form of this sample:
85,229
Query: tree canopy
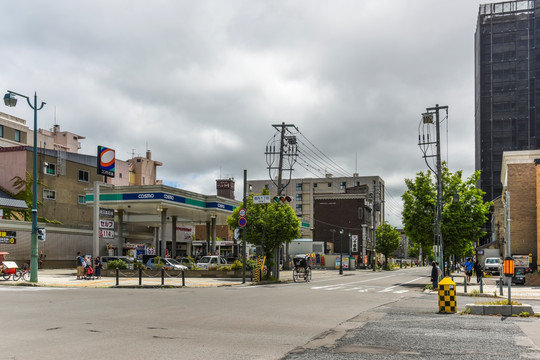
24,188
268,225
387,239
463,215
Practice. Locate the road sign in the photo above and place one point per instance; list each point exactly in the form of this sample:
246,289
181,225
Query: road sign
242,222
242,212
261,199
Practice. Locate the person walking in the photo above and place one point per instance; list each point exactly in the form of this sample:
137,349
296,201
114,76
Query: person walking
435,273
97,267
479,272
468,270
80,265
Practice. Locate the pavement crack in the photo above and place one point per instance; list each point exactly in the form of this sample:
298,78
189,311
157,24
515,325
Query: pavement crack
54,328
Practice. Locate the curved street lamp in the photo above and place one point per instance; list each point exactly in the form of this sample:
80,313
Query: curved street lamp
10,100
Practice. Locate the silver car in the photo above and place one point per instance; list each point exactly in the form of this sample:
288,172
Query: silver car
168,264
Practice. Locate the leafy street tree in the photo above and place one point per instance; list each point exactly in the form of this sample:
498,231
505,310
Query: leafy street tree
463,215
24,192
268,225
387,238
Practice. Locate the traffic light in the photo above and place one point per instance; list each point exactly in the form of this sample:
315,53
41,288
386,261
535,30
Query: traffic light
41,235
282,199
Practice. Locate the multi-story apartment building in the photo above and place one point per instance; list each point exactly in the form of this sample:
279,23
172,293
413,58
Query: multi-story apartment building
302,192
506,94
15,132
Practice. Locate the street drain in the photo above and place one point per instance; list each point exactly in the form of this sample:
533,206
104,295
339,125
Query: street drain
367,349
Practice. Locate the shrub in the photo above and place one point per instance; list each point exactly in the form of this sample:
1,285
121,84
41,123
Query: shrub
138,265
113,264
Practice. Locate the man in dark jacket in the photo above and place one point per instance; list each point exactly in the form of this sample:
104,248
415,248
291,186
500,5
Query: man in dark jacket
435,273
478,271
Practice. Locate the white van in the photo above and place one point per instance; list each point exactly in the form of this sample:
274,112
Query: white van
493,265
209,261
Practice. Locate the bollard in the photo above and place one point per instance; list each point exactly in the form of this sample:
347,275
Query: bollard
183,279
465,283
117,280
140,276
501,286
481,285
162,276
447,296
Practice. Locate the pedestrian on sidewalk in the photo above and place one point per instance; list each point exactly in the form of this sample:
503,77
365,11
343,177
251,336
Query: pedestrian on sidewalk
435,273
97,267
479,272
80,263
468,270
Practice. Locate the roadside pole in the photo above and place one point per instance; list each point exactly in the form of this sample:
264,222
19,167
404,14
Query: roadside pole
508,253
244,232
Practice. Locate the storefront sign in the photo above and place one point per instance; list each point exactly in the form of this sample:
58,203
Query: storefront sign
8,237
106,224
106,213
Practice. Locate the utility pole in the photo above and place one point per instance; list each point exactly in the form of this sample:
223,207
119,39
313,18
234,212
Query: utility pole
425,144
287,150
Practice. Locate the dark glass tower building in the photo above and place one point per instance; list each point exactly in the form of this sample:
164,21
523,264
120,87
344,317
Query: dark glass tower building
507,60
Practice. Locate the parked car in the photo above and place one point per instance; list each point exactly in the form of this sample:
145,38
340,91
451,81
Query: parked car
168,264
209,261
105,259
187,262
493,265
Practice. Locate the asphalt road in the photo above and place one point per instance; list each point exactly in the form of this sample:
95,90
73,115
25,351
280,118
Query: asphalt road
361,315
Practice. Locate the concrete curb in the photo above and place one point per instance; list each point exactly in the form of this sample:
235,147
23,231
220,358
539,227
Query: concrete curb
503,310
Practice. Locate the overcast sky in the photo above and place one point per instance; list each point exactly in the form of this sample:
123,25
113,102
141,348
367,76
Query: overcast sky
200,83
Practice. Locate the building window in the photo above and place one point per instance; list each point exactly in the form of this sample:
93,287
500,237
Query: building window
49,194
357,183
299,187
1,130
143,180
315,185
298,197
342,185
49,169
267,187
298,207
120,175
83,175
329,184
18,135
81,199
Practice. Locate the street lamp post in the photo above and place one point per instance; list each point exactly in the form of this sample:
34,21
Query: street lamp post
350,252
11,100
341,252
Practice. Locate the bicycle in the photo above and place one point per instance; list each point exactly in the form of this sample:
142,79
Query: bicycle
24,274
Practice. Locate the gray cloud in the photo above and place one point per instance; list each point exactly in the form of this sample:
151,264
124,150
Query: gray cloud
200,83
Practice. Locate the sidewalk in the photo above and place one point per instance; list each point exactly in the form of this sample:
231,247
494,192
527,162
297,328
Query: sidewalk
491,288
68,278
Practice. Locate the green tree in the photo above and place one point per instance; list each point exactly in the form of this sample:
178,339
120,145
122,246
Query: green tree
24,192
268,225
464,212
387,238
